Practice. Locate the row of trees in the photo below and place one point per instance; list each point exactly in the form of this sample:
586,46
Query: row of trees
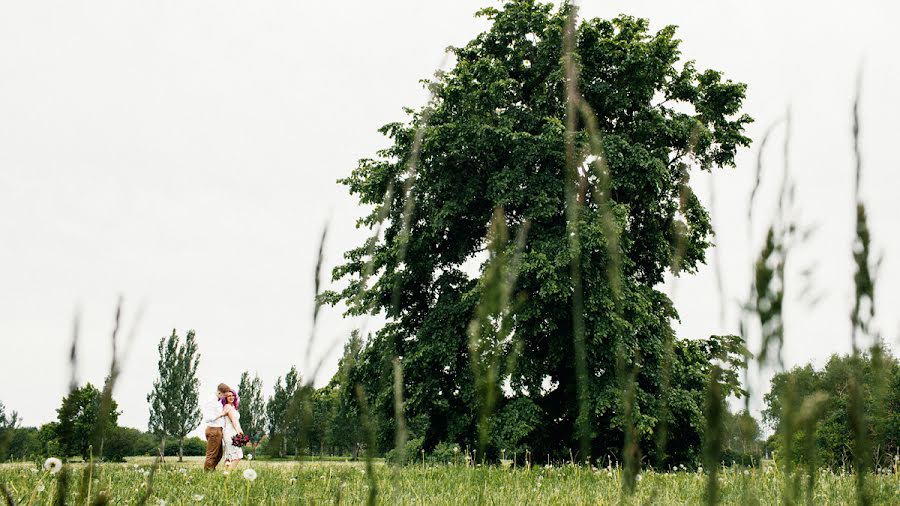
81,431
818,427
295,419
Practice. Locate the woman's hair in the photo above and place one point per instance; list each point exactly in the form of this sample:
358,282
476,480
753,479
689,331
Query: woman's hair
224,400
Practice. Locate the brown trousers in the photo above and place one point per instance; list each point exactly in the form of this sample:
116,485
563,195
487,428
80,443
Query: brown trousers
213,448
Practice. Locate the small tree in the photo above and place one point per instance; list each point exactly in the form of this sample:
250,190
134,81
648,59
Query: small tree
174,400
79,421
346,426
8,424
252,407
280,423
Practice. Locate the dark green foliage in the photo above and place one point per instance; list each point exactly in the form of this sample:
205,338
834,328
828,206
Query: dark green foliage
252,407
411,453
9,422
346,432
24,444
78,422
495,138
832,427
281,422
174,400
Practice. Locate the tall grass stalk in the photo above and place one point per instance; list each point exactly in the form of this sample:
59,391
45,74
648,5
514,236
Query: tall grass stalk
861,315
575,187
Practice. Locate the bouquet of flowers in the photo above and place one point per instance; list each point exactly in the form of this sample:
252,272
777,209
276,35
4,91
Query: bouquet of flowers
240,440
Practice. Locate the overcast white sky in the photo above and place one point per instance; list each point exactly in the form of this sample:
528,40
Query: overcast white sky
184,155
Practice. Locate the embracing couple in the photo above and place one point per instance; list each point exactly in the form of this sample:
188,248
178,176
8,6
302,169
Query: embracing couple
222,419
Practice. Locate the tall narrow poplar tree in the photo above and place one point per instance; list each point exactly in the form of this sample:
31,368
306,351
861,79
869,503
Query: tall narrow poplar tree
252,407
174,400
281,423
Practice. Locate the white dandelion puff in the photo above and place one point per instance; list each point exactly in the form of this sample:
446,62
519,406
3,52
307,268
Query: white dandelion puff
53,465
640,477
197,497
249,474
250,456
40,487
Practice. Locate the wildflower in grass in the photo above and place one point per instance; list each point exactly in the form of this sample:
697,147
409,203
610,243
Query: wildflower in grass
639,477
292,480
40,487
250,456
249,474
162,502
33,470
197,497
53,465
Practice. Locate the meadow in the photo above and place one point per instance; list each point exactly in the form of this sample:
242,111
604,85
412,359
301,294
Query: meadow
286,482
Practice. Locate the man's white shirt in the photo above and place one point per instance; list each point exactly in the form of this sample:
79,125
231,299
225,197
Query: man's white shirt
212,413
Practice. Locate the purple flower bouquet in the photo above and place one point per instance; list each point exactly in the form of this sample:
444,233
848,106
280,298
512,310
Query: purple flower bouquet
240,440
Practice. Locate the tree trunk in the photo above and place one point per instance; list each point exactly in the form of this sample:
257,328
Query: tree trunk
181,449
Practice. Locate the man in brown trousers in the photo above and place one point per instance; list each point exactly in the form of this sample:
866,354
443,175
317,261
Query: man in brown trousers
214,419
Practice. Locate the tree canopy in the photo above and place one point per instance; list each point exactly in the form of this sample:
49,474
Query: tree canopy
252,407
175,398
810,411
81,422
494,138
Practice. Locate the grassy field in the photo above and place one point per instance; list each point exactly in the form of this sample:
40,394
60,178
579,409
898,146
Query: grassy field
347,483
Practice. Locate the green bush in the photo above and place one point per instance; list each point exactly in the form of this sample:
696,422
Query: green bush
408,455
446,453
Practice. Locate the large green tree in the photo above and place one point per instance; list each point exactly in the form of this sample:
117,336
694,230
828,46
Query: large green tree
494,137
81,422
175,398
252,407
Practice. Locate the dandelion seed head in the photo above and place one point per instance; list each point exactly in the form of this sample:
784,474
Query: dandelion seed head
197,497
249,474
41,487
53,464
